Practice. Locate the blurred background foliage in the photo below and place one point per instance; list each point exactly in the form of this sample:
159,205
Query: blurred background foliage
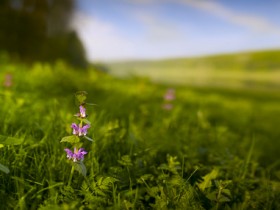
39,30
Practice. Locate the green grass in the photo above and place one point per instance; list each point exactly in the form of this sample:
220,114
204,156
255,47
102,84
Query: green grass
217,148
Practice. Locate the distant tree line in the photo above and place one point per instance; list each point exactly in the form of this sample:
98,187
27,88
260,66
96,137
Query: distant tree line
38,30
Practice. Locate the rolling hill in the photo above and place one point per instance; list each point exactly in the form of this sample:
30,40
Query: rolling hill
259,69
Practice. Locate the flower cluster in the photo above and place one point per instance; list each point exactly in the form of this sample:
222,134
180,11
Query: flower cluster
77,155
79,131
82,112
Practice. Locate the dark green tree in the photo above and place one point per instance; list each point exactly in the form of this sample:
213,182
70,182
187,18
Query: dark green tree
39,30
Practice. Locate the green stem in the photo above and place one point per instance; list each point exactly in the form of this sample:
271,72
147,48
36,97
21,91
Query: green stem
71,175
130,181
218,197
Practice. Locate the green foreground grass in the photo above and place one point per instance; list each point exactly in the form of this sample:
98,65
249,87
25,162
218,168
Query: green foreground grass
216,149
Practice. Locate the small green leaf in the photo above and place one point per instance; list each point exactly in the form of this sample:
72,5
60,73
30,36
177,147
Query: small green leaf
100,192
226,192
71,139
80,167
99,181
109,180
81,96
125,161
207,179
6,140
212,196
224,199
145,177
4,169
163,167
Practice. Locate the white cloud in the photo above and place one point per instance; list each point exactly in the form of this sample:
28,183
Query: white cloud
105,41
253,22
101,39
158,29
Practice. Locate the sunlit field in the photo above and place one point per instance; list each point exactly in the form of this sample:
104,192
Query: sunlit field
185,143
251,70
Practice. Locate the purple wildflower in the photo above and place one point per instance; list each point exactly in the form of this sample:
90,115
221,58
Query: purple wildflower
169,95
75,128
8,80
69,153
83,130
82,113
76,155
78,130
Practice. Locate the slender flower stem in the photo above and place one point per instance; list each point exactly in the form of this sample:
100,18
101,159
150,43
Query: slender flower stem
71,175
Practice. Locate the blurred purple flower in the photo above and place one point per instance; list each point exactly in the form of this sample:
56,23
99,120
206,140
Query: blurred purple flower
76,155
169,95
80,131
84,129
82,113
8,80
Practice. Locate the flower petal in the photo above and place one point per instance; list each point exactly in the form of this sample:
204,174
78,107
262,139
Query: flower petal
69,153
82,111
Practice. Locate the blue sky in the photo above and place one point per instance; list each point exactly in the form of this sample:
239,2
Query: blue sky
154,29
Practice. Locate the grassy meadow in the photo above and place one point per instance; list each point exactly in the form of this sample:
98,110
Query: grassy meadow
259,70
212,143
